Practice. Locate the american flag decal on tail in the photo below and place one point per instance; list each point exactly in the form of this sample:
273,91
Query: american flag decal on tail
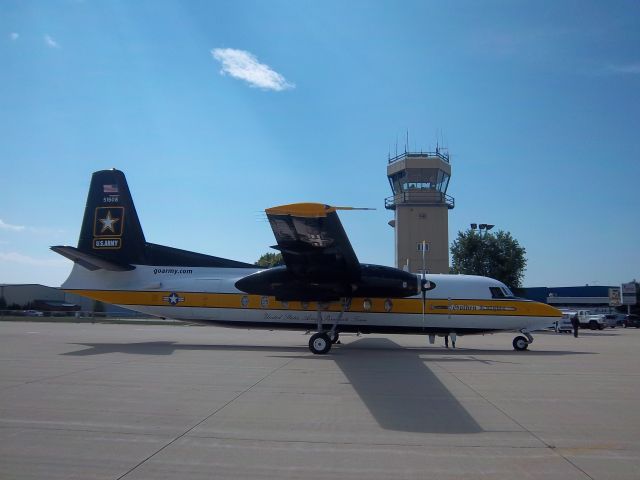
110,188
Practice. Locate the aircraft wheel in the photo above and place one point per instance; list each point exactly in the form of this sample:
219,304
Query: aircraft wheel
520,343
319,343
334,338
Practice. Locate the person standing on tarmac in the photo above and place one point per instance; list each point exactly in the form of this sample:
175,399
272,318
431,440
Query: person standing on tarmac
453,340
575,323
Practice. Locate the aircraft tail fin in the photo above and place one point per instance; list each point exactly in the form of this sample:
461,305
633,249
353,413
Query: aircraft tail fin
111,236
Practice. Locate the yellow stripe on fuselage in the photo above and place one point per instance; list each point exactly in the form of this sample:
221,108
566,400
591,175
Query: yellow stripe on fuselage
509,307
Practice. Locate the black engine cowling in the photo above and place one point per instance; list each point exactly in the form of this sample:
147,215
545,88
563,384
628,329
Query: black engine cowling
372,281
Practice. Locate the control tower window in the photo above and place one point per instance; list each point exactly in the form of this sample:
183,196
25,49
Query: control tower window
417,186
443,181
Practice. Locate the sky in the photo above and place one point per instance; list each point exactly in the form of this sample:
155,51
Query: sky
218,110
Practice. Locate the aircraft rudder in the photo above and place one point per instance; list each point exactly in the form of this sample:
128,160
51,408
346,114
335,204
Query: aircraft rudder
110,227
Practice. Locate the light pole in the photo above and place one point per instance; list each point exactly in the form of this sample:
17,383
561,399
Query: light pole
483,241
481,226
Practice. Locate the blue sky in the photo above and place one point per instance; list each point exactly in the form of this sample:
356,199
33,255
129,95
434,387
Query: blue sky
218,110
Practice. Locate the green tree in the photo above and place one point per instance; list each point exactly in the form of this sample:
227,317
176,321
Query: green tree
269,260
495,255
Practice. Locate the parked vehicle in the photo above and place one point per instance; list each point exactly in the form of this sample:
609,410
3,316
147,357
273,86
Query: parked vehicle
587,319
594,322
563,324
632,320
611,319
33,313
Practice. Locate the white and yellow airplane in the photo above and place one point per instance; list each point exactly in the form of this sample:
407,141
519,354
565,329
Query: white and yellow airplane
321,287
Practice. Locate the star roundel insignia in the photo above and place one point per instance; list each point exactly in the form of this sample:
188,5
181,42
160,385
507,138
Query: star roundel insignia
173,298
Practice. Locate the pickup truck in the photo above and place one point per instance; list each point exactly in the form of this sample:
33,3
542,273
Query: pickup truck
598,321
587,319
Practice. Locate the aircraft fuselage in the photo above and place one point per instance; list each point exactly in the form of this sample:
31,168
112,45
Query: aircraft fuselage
457,303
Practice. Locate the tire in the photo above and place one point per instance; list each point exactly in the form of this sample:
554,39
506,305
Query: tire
520,343
319,343
600,327
334,339
593,324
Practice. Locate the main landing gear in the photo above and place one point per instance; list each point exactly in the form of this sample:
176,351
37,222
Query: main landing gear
321,342
521,343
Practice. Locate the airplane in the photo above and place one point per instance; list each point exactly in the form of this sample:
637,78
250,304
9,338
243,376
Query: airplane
321,286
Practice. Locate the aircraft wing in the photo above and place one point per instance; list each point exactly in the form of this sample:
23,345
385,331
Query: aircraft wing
313,242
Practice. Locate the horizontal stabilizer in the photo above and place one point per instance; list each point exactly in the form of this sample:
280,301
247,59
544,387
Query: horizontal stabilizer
90,261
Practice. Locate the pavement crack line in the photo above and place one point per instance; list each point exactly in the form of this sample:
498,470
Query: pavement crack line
53,377
550,447
205,418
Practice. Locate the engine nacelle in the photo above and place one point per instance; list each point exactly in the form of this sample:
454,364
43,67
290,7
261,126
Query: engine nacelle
373,281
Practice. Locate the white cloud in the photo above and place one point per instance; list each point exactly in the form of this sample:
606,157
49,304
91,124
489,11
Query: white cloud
45,230
50,42
630,68
245,66
15,257
13,228
14,36
36,230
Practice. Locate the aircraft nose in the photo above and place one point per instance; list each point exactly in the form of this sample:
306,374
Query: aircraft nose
551,311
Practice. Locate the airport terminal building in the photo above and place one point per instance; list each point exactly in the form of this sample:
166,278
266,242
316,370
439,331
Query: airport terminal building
593,297
51,299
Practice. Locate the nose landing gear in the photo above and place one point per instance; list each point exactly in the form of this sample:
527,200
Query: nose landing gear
521,343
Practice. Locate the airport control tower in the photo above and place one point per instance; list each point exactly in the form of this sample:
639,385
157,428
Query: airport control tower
419,184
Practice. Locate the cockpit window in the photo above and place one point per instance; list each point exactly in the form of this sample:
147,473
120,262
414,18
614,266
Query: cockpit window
501,292
496,292
507,293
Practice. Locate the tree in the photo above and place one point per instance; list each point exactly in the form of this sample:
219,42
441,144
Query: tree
269,260
495,255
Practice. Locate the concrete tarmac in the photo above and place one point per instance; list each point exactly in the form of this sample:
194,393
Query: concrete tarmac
82,401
